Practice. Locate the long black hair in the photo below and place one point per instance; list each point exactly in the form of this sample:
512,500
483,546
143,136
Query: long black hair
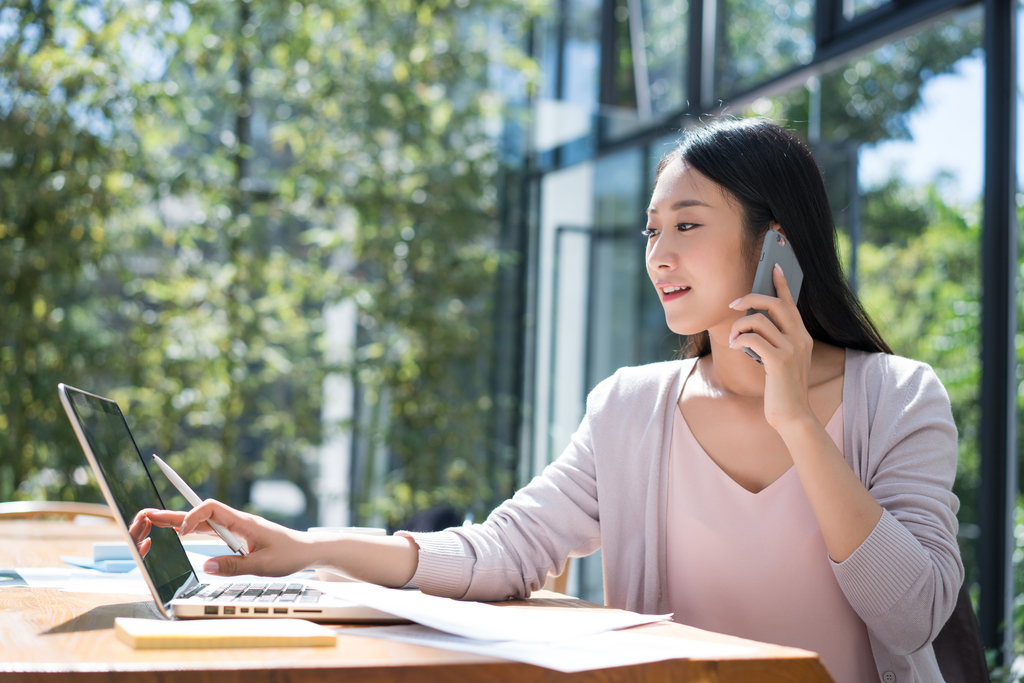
772,176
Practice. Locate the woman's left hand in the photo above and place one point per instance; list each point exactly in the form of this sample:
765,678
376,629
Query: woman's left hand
784,346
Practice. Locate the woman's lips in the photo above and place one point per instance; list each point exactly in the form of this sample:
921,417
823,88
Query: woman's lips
673,292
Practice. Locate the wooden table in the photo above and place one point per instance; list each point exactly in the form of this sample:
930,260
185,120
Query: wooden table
48,637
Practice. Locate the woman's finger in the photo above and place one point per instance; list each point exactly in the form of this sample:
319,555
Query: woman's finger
758,344
781,308
782,285
211,510
165,518
779,311
759,324
139,527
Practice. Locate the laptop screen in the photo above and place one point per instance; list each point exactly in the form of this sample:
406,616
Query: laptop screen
131,487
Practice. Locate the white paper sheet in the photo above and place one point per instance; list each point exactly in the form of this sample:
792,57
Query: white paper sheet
481,621
45,577
83,580
107,566
130,583
603,650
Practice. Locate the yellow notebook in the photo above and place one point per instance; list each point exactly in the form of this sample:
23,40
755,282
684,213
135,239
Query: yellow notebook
156,633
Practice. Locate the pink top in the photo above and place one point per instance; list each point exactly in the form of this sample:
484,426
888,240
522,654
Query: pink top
754,565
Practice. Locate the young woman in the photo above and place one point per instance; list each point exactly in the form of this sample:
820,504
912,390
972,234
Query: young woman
807,502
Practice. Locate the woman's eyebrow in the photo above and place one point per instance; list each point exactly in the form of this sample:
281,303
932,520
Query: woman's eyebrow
681,204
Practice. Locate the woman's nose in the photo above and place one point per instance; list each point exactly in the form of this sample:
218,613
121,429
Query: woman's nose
660,254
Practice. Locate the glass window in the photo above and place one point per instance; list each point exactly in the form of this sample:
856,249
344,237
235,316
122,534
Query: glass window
758,39
626,325
854,8
625,320
617,268
619,189
649,61
665,24
582,52
565,110
655,153
546,54
907,201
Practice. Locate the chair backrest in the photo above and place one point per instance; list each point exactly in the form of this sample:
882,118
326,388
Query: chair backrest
958,647
33,509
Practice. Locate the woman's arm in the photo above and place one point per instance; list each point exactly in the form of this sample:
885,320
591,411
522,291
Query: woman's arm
275,550
845,510
903,580
509,555
890,528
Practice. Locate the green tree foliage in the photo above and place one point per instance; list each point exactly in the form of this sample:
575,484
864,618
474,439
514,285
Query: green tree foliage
285,156
231,317
390,105
759,39
893,213
868,99
924,293
67,159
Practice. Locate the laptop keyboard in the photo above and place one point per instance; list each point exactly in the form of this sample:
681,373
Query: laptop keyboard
256,592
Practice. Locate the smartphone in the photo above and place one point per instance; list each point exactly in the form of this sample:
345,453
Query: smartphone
776,249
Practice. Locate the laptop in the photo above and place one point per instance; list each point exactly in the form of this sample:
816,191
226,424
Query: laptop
127,484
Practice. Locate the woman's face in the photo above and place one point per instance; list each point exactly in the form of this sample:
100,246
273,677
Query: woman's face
697,255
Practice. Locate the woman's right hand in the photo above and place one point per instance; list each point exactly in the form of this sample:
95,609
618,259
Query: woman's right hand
274,550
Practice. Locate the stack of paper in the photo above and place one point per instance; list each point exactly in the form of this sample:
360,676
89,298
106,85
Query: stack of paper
565,640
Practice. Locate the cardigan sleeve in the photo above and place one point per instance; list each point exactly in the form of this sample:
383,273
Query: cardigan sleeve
904,578
511,553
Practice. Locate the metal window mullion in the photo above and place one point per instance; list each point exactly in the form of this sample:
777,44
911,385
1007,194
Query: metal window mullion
561,33
708,35
641,79
998,488
695,53
608,65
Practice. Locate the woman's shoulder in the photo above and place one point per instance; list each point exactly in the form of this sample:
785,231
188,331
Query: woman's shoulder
889,384
639,385
886,370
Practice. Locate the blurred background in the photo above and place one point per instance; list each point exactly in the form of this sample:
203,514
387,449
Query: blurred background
348,261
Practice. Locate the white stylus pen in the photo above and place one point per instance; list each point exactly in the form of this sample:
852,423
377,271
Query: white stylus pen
194,500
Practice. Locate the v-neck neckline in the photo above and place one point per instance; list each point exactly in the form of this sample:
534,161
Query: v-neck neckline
704,454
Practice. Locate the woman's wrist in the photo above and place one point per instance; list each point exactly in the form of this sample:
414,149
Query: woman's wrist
800,424
304,549
387,561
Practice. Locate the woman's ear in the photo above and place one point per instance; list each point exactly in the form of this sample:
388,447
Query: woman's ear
777,227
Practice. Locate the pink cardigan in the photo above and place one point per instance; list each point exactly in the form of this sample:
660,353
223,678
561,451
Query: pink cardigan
609,490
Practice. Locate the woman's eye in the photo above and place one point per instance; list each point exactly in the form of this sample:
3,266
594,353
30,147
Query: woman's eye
648,232
683,227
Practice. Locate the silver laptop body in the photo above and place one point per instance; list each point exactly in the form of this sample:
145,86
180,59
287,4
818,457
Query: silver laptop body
128,487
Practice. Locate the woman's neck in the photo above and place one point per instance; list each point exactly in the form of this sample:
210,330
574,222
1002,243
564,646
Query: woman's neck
731,371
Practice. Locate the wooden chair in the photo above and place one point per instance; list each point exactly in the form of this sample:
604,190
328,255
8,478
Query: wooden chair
35,509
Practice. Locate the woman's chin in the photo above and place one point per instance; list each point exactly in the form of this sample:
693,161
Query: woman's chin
685,330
